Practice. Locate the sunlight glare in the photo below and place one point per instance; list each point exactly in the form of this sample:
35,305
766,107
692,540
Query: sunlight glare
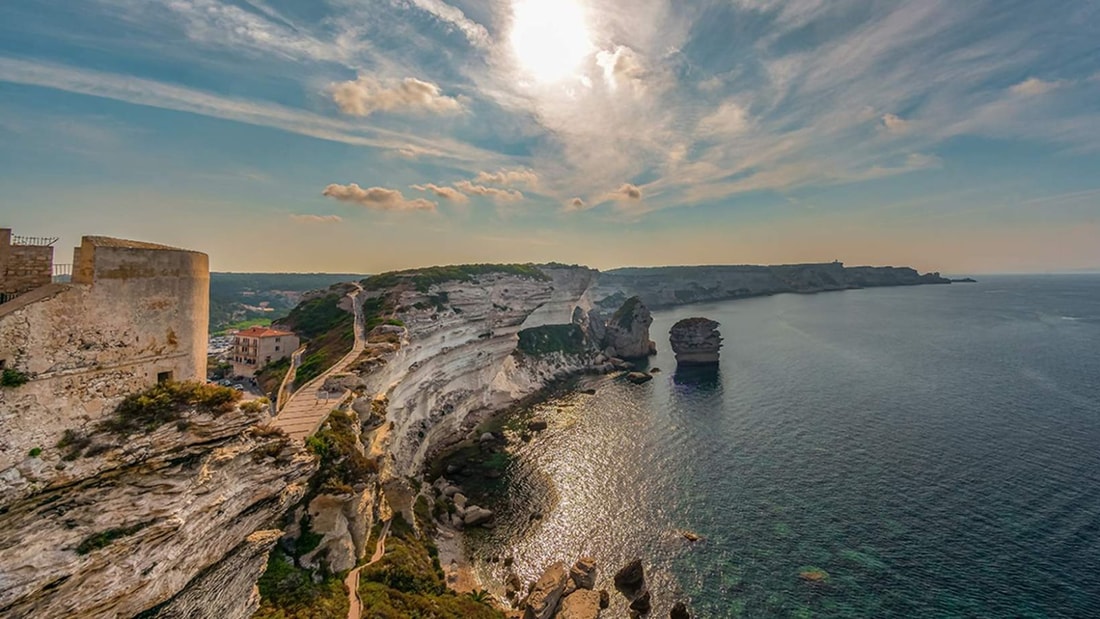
550,38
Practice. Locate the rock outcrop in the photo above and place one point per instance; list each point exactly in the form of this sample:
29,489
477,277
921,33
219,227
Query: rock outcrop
695,341
217,592
627,332
546,593
581,604
163,517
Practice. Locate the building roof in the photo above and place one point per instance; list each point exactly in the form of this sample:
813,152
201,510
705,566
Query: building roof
262,332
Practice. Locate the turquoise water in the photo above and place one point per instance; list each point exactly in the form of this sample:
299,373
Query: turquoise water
935,450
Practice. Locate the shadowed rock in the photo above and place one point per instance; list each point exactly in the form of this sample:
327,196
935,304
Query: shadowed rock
695,341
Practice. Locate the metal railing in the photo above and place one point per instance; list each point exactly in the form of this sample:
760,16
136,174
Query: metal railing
7,296
39,241
61,270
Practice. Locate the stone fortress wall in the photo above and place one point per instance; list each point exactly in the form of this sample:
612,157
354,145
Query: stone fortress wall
134,313
23,267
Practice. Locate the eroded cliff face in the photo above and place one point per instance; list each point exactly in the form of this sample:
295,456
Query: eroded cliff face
668,286
457,356
134,523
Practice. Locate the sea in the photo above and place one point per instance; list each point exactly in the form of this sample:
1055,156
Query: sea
929,451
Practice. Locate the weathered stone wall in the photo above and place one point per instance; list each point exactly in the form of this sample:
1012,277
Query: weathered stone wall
134,313
23,267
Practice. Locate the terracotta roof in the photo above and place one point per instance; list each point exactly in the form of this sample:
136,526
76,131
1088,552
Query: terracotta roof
263,332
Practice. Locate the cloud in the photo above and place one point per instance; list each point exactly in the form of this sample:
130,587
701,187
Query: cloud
628,191
894,123
316,219
446,193
729,119
509,177
366,95
621,65
475,33
377,198
151,93
1034,86
576,204
500,195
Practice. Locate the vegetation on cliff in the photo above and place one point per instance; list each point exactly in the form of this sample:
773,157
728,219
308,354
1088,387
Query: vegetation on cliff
548,339
409,582
290,592
423,279
13,378
329,331
343,464
624,316
166,402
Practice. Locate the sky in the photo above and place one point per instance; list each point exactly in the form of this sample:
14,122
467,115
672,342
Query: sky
369,135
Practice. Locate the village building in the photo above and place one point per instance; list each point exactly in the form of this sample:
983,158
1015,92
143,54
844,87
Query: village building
256,347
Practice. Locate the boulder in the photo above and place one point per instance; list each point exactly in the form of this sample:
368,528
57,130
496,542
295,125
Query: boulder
460,501
537,426
605,598
450,491
487,437
639,378
583,573
546,593
695,341
628,332
475,515
642,603
679,611
457,521
581,604
631,577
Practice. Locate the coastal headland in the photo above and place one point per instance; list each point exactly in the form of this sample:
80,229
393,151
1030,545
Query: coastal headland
443,350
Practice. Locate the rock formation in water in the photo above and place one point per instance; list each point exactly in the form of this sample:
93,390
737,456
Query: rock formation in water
627,332
695,341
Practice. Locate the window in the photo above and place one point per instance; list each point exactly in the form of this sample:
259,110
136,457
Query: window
164,377
276,348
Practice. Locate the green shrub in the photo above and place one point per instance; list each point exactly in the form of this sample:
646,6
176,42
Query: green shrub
424,279
408,582
253,407
289,592
35,452
13,378
548,339
342,464
165,402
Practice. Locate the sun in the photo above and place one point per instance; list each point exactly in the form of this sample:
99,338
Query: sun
550,38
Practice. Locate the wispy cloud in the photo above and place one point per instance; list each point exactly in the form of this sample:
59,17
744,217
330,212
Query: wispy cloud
316,219
474,32
377,198
171,97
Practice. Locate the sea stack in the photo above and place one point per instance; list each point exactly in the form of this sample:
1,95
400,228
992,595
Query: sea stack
695,341
627,333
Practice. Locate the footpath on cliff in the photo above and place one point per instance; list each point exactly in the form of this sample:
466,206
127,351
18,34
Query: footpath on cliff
308,407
